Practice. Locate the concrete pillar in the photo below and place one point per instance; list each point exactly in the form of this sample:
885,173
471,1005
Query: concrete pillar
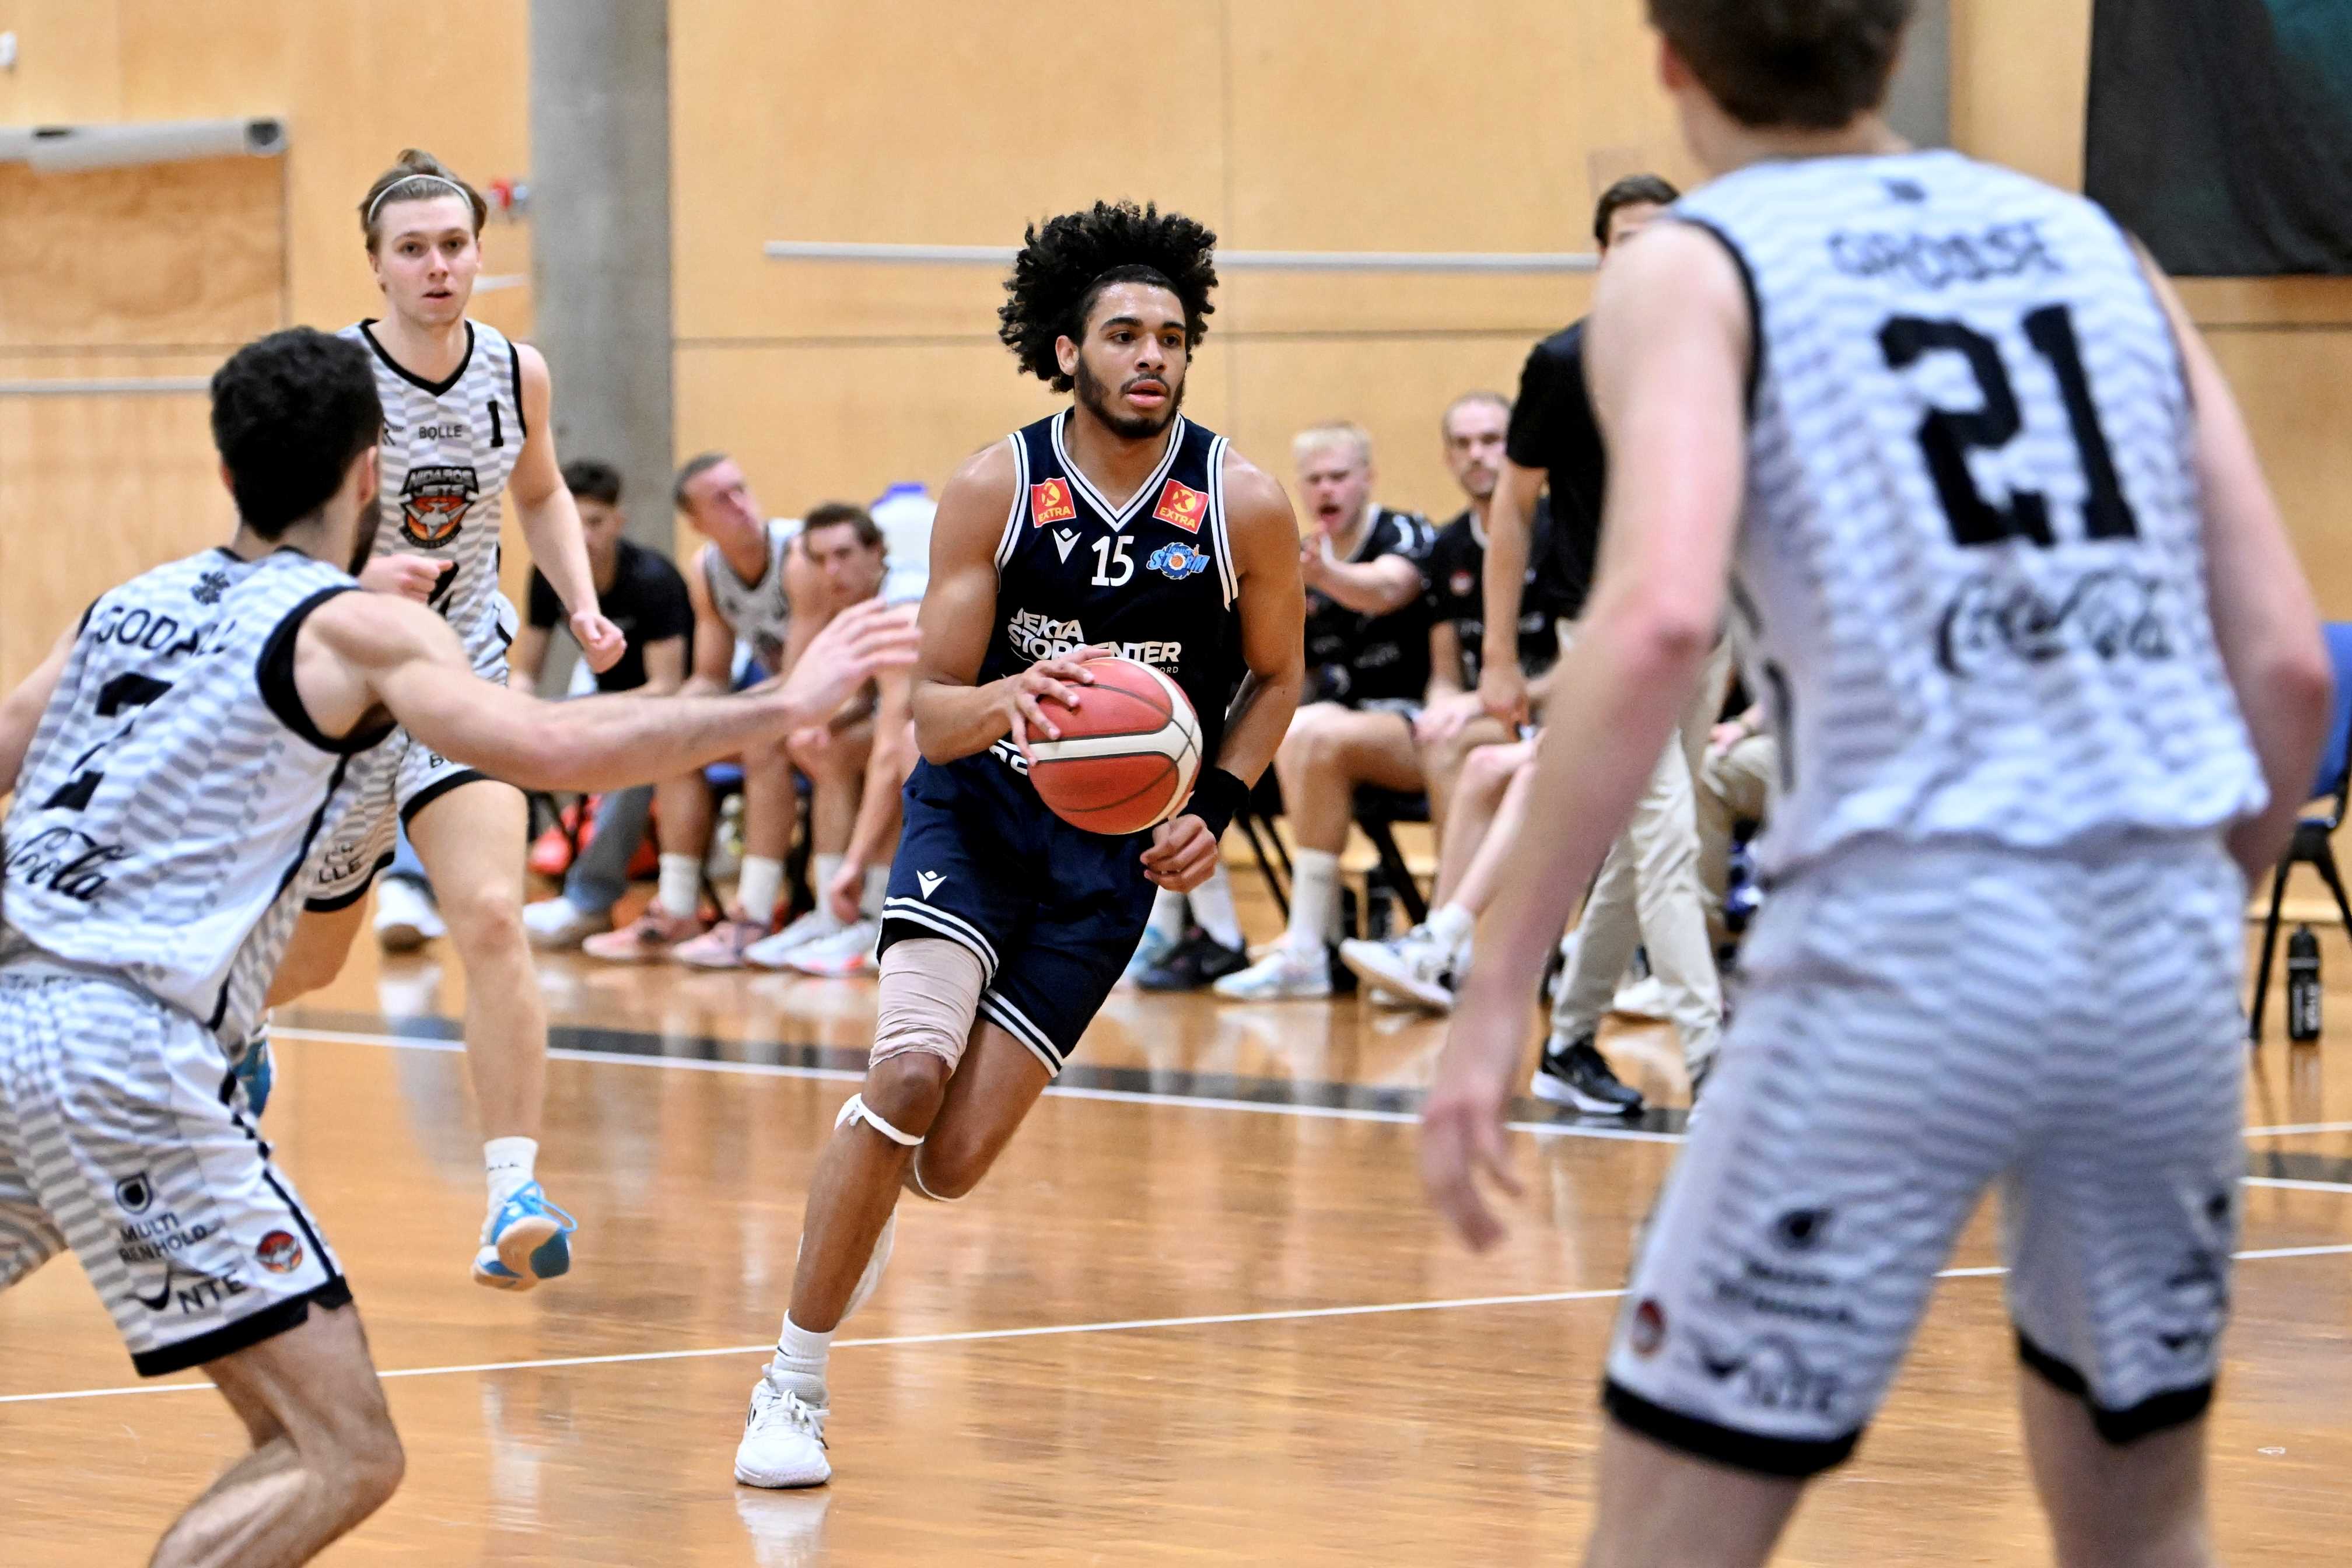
600,239
1919,106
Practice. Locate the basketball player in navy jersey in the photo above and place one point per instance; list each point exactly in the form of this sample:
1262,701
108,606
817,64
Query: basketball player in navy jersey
1115,526
2050,686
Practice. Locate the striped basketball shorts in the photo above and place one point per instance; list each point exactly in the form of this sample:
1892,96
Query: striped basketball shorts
122,1135
398,778
1917,1025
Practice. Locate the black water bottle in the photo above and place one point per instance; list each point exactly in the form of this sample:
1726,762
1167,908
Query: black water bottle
2303,986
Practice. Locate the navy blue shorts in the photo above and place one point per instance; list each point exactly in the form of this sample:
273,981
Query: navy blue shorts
1054,912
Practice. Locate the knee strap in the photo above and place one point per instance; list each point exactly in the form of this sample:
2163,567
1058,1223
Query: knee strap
915,1173
858,1110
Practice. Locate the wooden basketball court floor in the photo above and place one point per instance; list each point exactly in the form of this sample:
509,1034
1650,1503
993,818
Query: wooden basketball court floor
1199,1314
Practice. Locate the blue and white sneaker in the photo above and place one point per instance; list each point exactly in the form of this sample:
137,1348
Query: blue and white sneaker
525,1240
256,1069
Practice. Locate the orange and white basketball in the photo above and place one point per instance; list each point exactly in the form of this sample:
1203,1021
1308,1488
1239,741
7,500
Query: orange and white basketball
1128,754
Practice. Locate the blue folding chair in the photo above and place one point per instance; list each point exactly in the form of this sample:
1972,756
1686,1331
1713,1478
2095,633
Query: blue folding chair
2312,835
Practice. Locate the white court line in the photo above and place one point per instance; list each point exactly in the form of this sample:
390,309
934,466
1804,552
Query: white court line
2296,1186
1139,1097
1066,1091
975,1336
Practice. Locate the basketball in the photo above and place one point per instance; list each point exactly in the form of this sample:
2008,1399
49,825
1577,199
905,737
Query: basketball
1128,754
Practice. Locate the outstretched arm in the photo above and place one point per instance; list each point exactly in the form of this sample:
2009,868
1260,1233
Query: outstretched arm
361,655
551,521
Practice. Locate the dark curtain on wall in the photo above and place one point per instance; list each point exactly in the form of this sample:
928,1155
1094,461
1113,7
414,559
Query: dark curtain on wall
2220,131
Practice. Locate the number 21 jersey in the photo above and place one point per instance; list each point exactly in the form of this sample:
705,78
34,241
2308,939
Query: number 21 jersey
1971,569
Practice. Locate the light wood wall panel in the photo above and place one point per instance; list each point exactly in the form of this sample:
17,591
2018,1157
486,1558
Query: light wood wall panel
2021,81
1283,124
202,256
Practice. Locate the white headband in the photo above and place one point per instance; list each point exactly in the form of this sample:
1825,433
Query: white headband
382,196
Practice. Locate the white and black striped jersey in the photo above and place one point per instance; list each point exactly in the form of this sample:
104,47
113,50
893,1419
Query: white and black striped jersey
1972,560
758,613
448,448
174,786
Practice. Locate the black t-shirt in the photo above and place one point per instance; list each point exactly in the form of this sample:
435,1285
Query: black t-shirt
1356,658
1553,428
1456,570
647,601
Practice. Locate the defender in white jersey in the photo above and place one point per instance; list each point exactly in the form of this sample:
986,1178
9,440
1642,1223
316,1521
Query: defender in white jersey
173,761
2049,682
467,425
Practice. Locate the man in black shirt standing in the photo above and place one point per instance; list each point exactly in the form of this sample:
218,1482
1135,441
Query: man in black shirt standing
643,595
1649,892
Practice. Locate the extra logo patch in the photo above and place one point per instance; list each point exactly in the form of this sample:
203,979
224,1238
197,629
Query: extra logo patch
1179,561
280,1252
434,502
1184,506
1050,502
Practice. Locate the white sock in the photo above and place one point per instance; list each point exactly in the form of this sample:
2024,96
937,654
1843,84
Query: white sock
822,870
681,885
757,886
799,1362
507,1163
878,887
1452,925
1314,899
1167,912
1213,906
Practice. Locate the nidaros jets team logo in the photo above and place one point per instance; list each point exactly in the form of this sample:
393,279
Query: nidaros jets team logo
434,503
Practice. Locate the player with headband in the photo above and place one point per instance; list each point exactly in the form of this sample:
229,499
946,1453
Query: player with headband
467,426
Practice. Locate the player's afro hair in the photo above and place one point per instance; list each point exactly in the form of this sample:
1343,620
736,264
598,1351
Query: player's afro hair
1068,261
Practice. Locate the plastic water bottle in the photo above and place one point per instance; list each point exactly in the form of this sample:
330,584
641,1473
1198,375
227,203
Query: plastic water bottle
2303,984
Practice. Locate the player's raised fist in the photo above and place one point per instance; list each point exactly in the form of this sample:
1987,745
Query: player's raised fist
601,642
405,576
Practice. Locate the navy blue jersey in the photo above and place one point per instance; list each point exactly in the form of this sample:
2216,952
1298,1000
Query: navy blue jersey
1154,578
1054,912
1355,659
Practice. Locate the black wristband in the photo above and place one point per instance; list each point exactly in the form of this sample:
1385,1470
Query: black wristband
1215,800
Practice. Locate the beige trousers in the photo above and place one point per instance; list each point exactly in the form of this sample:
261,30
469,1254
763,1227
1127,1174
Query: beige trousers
1734,786
1650,895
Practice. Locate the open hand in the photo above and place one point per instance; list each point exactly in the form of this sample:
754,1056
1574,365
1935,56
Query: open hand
855,646
1462,1133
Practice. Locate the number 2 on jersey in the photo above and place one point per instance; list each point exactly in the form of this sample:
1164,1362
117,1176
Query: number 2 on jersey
1946,435
129,693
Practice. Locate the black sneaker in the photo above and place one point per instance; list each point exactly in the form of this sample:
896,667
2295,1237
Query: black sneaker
1575,1074
1197,962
